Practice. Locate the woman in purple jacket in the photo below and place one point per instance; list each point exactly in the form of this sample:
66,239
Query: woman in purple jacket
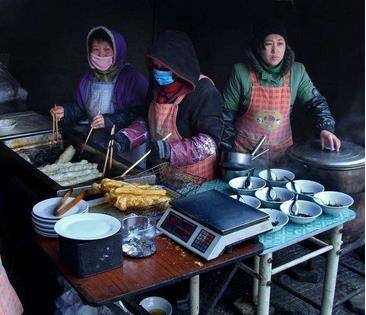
109,88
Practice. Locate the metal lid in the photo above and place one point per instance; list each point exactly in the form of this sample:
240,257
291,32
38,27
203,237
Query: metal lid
350,155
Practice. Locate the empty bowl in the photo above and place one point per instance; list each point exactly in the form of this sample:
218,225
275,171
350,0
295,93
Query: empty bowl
278,218
333,202
248,200
157,305
308,211
278,175
283,195
238,183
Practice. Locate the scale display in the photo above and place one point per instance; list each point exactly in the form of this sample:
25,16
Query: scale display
178,226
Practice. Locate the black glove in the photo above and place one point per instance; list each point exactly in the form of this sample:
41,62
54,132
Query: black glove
121,143
160,152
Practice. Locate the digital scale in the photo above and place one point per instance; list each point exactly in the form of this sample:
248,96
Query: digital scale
208,222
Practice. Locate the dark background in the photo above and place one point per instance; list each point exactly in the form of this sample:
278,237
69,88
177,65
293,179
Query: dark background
46,43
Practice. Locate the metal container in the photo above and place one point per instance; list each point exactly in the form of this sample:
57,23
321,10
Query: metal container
39,148
342,171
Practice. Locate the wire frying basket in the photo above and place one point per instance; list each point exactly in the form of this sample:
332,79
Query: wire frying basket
182,183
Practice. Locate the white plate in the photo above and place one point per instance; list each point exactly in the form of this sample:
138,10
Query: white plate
45,230
43,225
40,220
87,226
53,235
7,124
46,208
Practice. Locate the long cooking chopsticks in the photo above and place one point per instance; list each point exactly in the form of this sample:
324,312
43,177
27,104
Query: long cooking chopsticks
54,127
72,203
109,155
143,157
87,138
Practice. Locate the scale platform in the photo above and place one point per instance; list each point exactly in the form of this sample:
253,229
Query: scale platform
208,222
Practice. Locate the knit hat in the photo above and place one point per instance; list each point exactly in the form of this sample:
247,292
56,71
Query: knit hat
267,27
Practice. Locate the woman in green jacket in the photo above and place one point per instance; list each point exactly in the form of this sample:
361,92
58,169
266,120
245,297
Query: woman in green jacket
261,91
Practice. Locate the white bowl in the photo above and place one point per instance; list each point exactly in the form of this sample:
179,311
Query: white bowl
276,215
307,187
282,193
280,174
238,182
248,200
329,201
157,303
44,210
306,207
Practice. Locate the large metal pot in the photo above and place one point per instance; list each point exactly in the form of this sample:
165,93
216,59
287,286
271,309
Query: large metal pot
342,171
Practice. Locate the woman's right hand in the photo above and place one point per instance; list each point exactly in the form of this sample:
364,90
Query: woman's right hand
57,111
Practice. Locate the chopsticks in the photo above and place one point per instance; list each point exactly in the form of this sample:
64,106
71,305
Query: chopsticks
54,128
72,203
87,139
109,155
143,157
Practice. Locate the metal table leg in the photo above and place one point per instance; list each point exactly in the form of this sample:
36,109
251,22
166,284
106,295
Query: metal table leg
265,271
255,280
194,287
331,271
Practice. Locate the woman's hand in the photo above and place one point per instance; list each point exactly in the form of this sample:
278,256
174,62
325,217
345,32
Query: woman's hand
98,122
57,111
326,137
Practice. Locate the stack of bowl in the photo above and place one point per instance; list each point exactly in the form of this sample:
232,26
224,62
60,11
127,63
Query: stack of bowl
43,216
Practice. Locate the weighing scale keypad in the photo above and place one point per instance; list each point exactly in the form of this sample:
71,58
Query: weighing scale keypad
203,241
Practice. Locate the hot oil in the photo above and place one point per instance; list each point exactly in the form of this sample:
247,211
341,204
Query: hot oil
157,311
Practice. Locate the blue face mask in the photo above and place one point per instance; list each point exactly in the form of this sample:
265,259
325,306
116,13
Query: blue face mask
163,77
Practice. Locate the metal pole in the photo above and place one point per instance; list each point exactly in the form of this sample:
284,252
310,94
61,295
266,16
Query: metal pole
255,280
331,271
265,270
194,286
301,259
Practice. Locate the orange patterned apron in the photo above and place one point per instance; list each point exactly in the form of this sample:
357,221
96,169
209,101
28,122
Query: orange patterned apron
268,114
162,121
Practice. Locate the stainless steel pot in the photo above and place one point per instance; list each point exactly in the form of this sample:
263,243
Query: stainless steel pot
341,171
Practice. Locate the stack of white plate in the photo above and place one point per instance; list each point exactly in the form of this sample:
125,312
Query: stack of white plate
43,214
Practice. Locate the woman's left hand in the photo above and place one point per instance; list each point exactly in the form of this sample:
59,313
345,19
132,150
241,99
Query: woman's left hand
326,137
98,122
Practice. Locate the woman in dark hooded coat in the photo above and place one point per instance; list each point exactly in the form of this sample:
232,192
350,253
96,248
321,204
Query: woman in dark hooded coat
183,102
261,91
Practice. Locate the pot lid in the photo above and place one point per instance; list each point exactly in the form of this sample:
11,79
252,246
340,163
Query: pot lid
350,155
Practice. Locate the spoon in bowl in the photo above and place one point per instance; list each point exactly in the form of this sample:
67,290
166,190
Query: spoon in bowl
296,187
247,183
294,209
271,176
271,193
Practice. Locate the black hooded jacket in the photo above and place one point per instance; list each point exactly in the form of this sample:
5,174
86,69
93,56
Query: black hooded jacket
201,110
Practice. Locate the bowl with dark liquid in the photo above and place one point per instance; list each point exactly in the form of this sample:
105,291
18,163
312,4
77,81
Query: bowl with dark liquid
156,305
307,211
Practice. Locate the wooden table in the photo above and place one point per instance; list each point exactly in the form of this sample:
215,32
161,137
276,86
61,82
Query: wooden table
171,263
